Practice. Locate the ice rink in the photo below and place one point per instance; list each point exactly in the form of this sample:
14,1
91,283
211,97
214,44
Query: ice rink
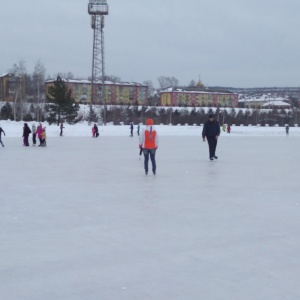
80,220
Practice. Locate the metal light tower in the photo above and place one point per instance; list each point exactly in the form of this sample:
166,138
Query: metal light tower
98,9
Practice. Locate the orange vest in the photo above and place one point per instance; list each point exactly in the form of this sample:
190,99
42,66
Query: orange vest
149,138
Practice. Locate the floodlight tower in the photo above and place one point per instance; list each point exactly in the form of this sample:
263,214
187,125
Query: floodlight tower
98,9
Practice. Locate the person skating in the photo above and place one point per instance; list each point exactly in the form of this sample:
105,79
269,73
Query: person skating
96,131
287,128
131,128
61,128
39,132
26,132
33,129
149,143
228,128
1,130
93,132
44,136
211,132
138,129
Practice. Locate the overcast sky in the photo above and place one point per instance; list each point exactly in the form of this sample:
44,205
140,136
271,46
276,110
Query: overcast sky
238,43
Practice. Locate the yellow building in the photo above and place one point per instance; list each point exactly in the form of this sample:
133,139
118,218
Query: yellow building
10,86
114,93
198,98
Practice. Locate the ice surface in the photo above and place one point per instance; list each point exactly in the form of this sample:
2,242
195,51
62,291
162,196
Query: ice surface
80,220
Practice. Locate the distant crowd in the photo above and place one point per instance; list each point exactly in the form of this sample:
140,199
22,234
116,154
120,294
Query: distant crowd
38,131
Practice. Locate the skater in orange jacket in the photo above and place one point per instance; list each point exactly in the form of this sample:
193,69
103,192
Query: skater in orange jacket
149,144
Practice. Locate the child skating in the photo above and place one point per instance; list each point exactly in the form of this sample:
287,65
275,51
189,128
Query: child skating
44,136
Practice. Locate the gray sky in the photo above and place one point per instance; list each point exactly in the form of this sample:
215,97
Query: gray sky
237,43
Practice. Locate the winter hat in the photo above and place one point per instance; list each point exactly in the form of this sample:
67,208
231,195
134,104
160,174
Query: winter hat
149,122
211,116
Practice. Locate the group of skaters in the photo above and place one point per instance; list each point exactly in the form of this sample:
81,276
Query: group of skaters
132,127
38,131
228,128
148,141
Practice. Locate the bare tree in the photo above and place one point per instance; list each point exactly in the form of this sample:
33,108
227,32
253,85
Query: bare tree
162,82
165,82
192,83
174,81
149,83
19,69
38,78
20,72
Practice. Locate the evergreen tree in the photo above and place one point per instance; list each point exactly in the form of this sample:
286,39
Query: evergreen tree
60,104
28,117
6,112
92,116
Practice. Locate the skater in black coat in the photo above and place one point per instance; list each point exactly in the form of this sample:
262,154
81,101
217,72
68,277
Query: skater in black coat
287,128
211,132
61,128
96,131
26,132
131,128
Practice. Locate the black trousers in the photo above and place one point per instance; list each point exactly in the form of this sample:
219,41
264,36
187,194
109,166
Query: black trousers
212,144
34,138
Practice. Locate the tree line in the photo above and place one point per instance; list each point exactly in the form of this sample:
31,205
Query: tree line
60,106
117,114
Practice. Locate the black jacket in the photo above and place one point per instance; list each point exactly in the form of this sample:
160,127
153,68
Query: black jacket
211,129
26,131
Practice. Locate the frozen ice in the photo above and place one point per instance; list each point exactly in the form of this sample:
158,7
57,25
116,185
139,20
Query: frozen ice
80,220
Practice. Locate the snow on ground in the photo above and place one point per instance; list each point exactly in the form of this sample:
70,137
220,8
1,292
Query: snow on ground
80,220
